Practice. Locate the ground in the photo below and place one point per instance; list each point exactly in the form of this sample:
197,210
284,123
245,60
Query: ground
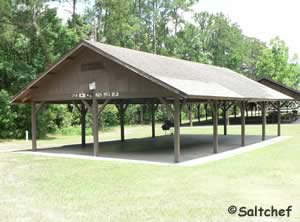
40,188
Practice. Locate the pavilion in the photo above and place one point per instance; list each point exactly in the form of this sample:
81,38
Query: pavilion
93,75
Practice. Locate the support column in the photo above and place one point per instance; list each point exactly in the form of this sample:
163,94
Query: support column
122,121
95,125
142,114
264,120
33,125
278,119
153,120
180,119
190,108
215,109
225,119
243,123
83,112
206,114
234,111
198,112
176,130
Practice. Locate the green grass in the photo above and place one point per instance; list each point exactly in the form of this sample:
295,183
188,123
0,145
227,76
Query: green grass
40,188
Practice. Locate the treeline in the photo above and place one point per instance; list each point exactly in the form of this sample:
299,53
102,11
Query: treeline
32,37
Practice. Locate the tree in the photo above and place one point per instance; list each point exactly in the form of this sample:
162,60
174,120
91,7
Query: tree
274,63
33,37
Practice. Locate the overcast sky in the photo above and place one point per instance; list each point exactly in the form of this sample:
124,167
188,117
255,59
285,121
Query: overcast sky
263,19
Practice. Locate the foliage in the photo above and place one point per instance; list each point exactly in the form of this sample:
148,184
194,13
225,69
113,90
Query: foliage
32,37
274,63
7,117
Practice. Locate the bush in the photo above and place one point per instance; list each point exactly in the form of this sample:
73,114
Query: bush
7,116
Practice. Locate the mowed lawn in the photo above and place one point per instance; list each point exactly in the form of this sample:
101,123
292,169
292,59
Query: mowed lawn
40,188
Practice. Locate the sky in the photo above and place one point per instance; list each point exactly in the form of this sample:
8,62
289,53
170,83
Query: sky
262,19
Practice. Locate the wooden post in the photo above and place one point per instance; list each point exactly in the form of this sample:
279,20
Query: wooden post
206,111
83,111
190,108
180,119
141,114
243,123
176,130
215,111
264,120
225,119
198,112
122,121
153,120
278,119
234,111
33,125
95,124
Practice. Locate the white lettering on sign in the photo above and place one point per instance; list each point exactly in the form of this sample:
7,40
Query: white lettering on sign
98,95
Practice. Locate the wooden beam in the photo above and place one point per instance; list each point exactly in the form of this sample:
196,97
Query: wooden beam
206,111
83,111
215,109
125,107
278,119
33,126
153,109
122,122
176,130
95,125
224,109
190,109
39,107
243,122
264,120
169,108
103,106
88,106
198,112
77,106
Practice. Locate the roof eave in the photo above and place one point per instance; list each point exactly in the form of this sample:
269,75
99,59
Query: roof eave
43,74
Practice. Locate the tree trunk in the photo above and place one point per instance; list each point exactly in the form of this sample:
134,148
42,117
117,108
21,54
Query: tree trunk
74,14
198,112
141,114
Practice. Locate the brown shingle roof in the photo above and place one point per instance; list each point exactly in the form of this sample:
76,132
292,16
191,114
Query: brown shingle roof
194,79
189,79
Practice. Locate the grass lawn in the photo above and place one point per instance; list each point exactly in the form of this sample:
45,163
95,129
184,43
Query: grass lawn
40,188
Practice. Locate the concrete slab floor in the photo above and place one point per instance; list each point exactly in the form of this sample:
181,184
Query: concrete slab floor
159,149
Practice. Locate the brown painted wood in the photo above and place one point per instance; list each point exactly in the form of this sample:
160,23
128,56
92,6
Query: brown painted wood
141,114
87,105
243,122
102,107
215,112
153,108
176,130
278,119
190,109
33,126
264,120
198,112
95,126
169,108
114,80
224,118
206,111
122,115
83,112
